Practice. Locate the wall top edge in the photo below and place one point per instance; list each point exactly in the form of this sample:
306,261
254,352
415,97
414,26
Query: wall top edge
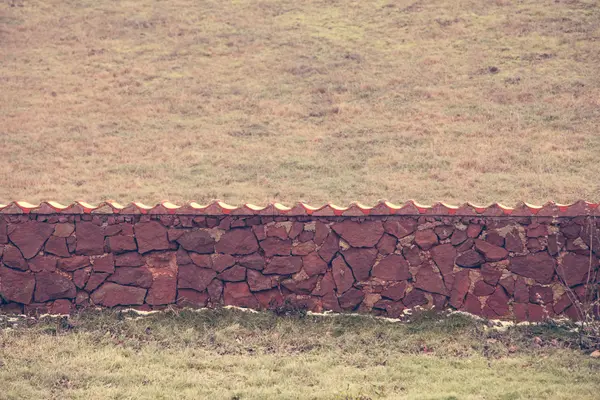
355,209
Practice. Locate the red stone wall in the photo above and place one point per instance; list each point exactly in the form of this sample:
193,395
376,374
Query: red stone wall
495,266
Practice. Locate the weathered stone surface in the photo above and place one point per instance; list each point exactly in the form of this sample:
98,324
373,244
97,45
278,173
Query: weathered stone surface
238,294
30,236
412,255
81,276
387,244
277,231
458,237
444,256
325,286
474,230
313,264
51,286
151,236
192,277
426,239
60,307
104,263
541,295
276,247
460,288
237,241
135,276
252,261
132,259
573,269
392,268
414,298
233,274
537,230
513,242
164,268
494,238
330,247
73,263
43,264
191,298
395,291
12,257
498,302
302,249
350,299
400,227
219,262
301,286
342,275
539,266
490,274
121,244
444,231
111,295
90,238
429,280
472,305
469,259
361,261
57,246
321,232
258,281
215,290
269,299
482,288
199,241
95,280
16,286
63,230
521,294
359,234
490,252
283,265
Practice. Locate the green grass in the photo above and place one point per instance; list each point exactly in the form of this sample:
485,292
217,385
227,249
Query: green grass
316,100
230,354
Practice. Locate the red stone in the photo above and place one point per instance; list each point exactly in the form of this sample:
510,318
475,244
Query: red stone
81,276
555,243
395,291
321,232
283,265
520,312
305,236
472,305
350,299
192,277
330,302
537,230
110,230
73,263
252,261
413,256
111,295
443,232
483,289
197,241
302,249
61,307
136,276
429,280
460,288
313,264
571,231
458,237
16,286
277,231
490,252
426,239
330,247
51,286
473,230
220,262
95,280
494,238
392,268
233,274
325,286
30,236
444,256
63,230
12,257
133,259
387,244
539,266
537,313
104,263
151,236
121,244
466,245
257,281
191,298
174,234
57,246
206,260
359,234
296,229
238,294
414,298
575,269
342,275
490,274
541,295
562,303
90,238
269,299
469,259
400,227
508,284
521,294
276,247
43,264
237,241
215,290
513,242
360,261
3,231
302,286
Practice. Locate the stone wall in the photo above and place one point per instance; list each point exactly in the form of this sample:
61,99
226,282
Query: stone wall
509,264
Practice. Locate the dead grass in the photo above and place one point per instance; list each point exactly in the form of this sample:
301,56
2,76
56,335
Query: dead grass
312,100
229,354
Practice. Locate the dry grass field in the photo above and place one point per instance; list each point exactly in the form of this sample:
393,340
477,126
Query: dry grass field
234,355
315,100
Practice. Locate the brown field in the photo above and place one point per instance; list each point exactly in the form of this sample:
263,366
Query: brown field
256,101
233,355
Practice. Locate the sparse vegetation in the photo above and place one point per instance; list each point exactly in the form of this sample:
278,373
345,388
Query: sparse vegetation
230,354
316,100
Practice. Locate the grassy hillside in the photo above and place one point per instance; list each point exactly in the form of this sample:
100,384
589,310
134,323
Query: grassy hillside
315,100
229,354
